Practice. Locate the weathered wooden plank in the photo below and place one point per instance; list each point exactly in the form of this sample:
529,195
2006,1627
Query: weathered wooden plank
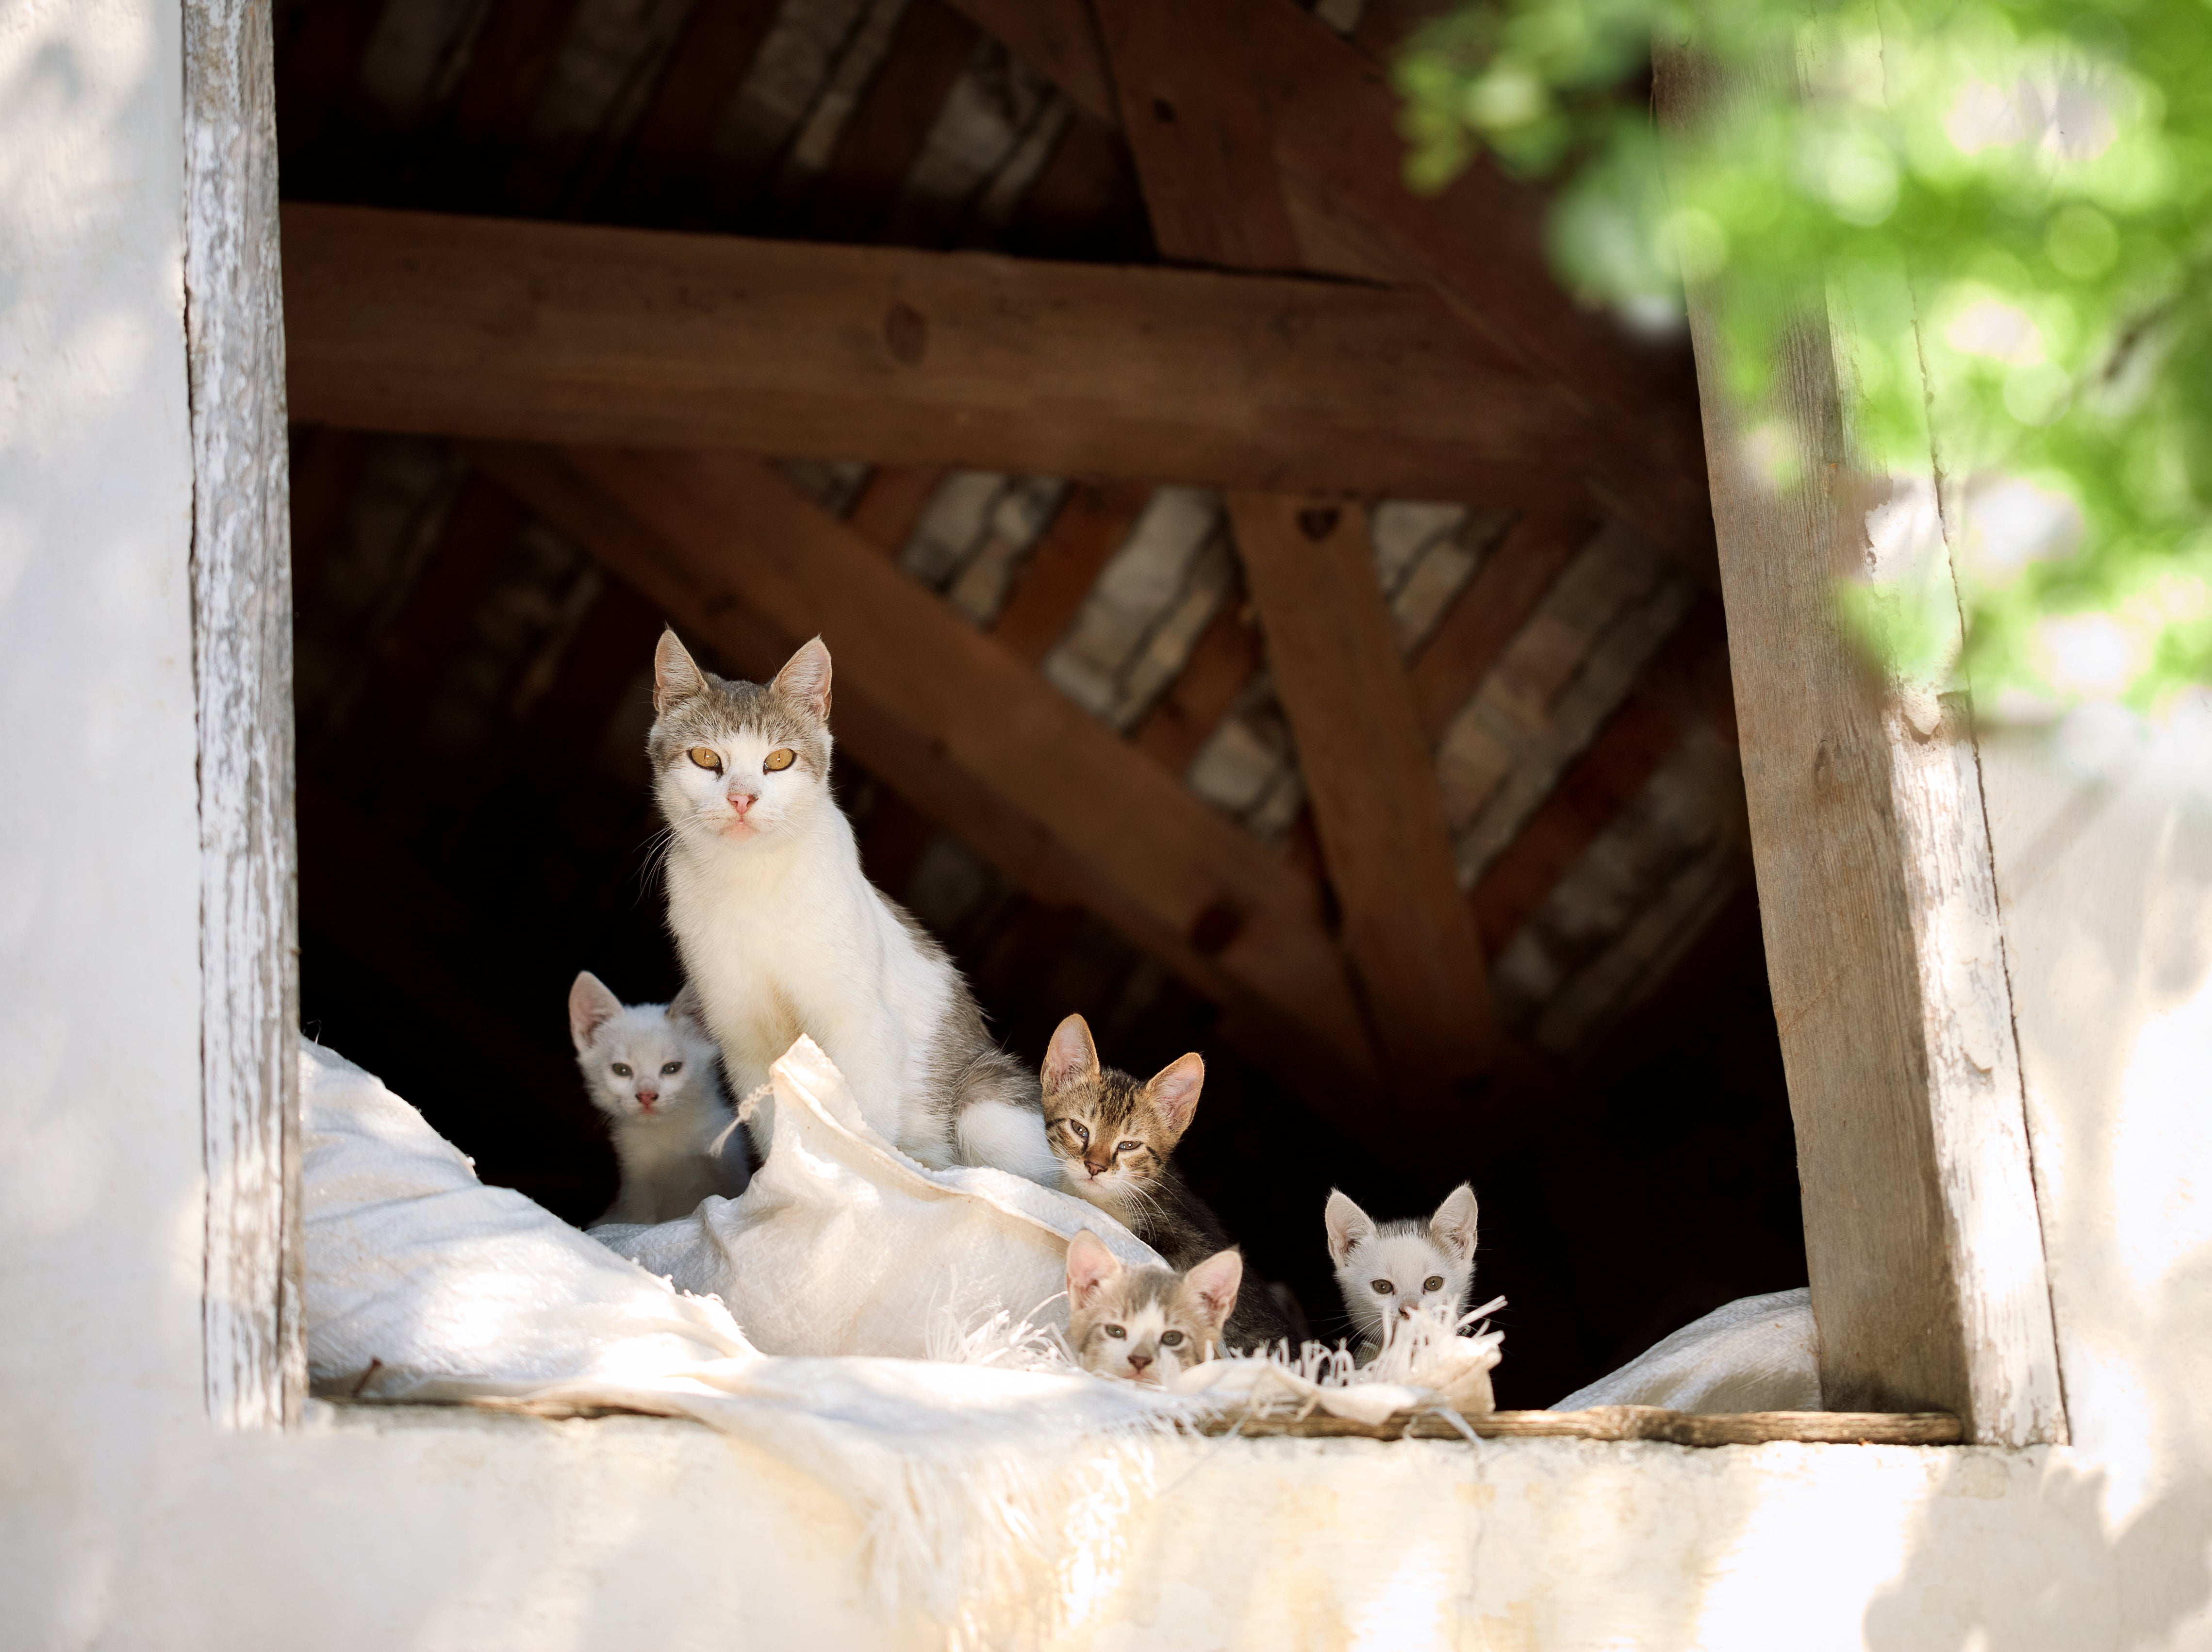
892,502
254,1345
540,332
1059,39
1883,942
1198,129
1372,787
1621,1422
665,174
724,545
1221,663
928,53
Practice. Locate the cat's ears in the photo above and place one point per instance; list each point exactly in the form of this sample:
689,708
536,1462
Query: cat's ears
1090,1266
804,679
1070,1057
1453,1225
676,675
688,1008
1213,1282
591,1006
1173,1090
1348,1225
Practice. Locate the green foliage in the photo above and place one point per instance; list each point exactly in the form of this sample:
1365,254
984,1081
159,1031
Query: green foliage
2000,207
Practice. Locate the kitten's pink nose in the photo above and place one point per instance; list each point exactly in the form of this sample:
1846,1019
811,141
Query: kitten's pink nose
1139,1362
1096,1170
741,801
647,1097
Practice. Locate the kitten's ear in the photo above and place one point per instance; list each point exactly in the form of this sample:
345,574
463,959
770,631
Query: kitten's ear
1090,1267
676,675
1453,1225
1174,1090
591,1006
1213,1282
1070,1056
804,680
688,1008
1347,1226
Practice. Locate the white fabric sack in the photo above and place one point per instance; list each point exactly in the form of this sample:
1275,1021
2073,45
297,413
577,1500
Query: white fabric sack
843,1245
424,1284
1758,1353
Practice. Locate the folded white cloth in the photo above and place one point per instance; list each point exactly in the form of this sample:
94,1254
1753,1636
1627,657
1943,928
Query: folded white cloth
1758,1353
843,1245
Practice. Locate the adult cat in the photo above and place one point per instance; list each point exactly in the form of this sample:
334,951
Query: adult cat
782,934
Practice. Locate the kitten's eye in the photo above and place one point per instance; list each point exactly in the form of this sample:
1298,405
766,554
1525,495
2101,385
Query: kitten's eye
1126,1146
667,1067
706,757
1170,1338
1115,1332
1382,1287
1081,1134
779,759
622,1069
1434,1282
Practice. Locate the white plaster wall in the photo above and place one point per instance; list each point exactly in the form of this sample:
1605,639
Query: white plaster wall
127,1521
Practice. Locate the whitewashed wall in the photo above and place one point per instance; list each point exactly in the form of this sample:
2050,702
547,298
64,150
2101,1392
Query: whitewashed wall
127,1520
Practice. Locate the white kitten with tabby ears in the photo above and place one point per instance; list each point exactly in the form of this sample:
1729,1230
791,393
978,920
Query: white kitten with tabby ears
1145,1324
650,1068
783,934
1390,1271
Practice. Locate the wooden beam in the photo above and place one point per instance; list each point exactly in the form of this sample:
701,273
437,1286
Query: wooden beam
1884,945
949,717
1220,664
667,174
520,330
1478,245
1372,787
892,503
929,51
1199,131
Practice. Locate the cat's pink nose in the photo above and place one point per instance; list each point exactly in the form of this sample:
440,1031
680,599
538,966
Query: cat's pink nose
1095,1169
741,801
1138,1362
647,1097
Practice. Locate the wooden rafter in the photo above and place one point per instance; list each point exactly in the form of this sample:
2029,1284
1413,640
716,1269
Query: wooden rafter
1372,787
1066,809
507,330
1485,616
1479,245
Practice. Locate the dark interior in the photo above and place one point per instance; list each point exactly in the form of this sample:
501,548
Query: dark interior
474,819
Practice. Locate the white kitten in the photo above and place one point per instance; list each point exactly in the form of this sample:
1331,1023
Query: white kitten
1145,1324
783,934
650,1068
1391,1270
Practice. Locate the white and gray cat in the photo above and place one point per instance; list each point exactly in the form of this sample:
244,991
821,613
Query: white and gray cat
650,1068
1392,1270
1145,1324
783,934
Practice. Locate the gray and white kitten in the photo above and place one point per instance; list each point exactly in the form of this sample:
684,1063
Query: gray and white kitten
783,934
650,1068
1145,1324
1113,1134
1392,1270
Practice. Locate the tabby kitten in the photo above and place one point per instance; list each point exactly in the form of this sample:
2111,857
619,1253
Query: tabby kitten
783,934
1390,1272
1113,1134
1145,1324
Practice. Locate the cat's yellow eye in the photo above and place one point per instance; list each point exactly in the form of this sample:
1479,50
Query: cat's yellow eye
1382,1287
779,759
1434,1282
706,757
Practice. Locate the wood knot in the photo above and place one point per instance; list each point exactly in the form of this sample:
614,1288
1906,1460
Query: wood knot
1213,929
1163,111
1319,521
906,330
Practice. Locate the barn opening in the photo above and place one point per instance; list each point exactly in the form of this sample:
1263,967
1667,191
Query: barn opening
475,630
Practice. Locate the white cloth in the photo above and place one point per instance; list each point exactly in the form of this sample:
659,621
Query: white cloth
1758,1353
843,1245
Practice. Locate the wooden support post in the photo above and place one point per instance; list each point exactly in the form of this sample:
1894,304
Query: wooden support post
1883,943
